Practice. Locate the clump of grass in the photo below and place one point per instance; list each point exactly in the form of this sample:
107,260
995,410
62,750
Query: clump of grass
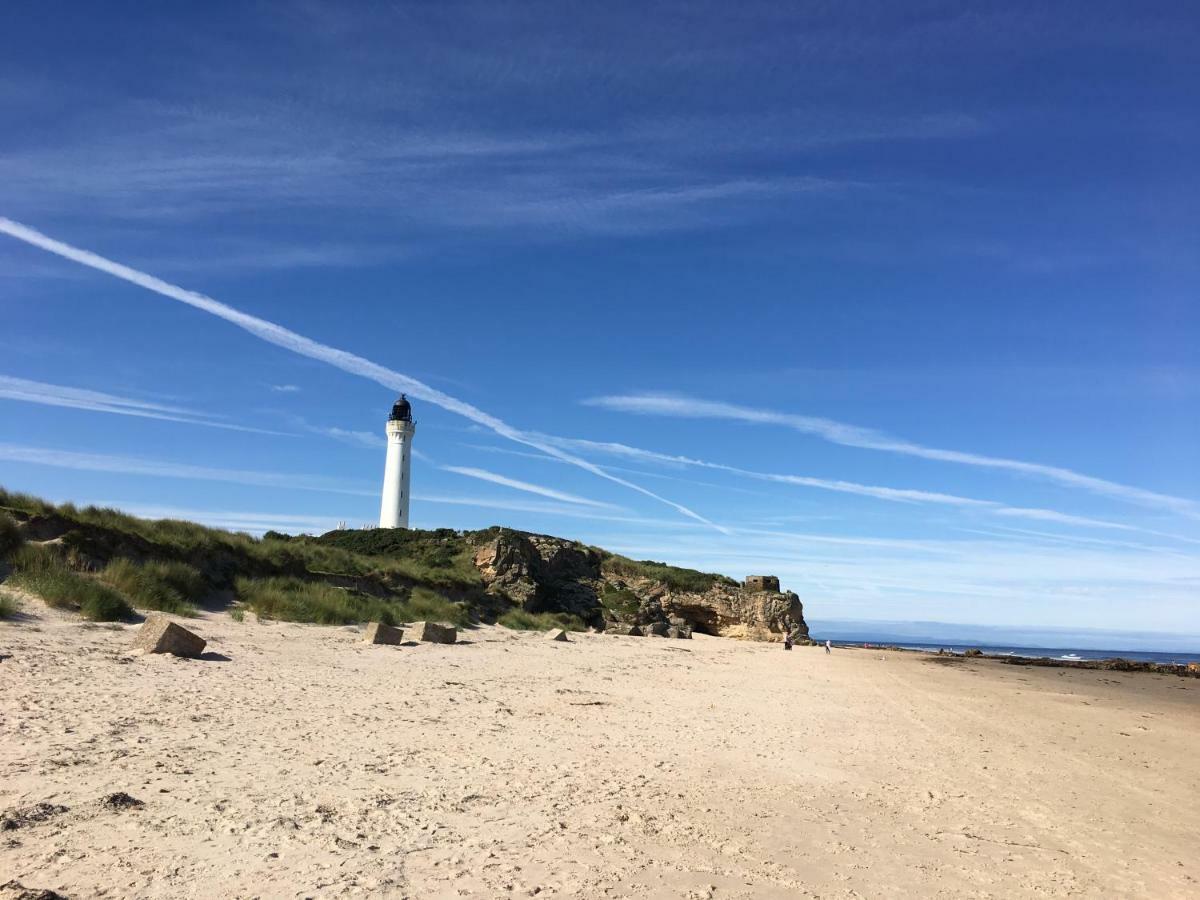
521,620
237,614
11,538
9,606
424,605
163,585
42,572
297,600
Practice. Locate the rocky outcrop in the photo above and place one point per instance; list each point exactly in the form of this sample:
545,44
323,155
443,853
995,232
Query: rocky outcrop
548,574
541,573
722,610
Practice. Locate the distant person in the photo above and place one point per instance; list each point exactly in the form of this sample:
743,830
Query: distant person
828,646
787,640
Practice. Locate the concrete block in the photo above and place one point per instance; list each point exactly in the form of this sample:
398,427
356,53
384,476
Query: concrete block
379,633
556,634
433,632
159,634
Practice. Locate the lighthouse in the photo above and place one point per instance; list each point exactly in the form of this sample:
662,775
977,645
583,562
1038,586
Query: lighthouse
393,513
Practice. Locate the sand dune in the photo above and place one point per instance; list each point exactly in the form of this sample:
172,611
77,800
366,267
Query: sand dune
296,762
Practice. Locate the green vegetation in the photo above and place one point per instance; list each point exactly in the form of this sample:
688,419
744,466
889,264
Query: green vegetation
440,558
521,620
391,575
674,577
167,586
238,614
10,536
423,605
621,601
9,606
298,600
43,572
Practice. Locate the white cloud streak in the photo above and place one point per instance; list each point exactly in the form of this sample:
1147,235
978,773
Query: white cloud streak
27,391
854,436
303,346
129,465
492,477
895,495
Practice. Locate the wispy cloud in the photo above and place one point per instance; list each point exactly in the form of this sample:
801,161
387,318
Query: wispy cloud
131,465
895,495
855,436
27,391
285,388
485,475
366,439
341,359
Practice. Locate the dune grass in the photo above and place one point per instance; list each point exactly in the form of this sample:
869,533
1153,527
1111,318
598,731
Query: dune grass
520,620
11,538
439,560
43,572
299,600
9,605
674,577
163,585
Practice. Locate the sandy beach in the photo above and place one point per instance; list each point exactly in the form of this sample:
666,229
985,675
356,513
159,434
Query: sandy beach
295,761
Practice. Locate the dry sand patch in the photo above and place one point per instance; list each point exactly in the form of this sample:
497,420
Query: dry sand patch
300,762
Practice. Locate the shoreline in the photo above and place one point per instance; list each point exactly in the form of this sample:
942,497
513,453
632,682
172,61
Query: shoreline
1189,669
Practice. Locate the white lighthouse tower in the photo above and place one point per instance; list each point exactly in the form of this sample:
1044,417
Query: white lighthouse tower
393,513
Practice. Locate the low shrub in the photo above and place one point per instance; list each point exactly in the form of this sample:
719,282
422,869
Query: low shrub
42,572
621,601
11,538
163,585
521,620
674,577
9,605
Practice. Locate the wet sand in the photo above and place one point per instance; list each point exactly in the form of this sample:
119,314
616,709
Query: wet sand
297,762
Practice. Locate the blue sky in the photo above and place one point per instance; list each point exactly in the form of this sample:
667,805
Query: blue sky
896,303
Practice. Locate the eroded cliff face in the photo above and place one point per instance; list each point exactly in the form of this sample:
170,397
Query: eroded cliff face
542,574
548,574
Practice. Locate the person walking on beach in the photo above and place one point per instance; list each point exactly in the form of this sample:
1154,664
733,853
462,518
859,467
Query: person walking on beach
787,640
828,644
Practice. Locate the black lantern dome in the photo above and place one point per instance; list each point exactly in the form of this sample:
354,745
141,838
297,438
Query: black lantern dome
401,410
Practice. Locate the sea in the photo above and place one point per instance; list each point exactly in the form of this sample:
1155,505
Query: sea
1067,653
1048,643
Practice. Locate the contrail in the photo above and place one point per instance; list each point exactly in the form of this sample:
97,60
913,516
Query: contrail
23,389
898,495
341,359
854,436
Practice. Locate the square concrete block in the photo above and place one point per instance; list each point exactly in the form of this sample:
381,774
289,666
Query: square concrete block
159,634
379,633
556,634
433,632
